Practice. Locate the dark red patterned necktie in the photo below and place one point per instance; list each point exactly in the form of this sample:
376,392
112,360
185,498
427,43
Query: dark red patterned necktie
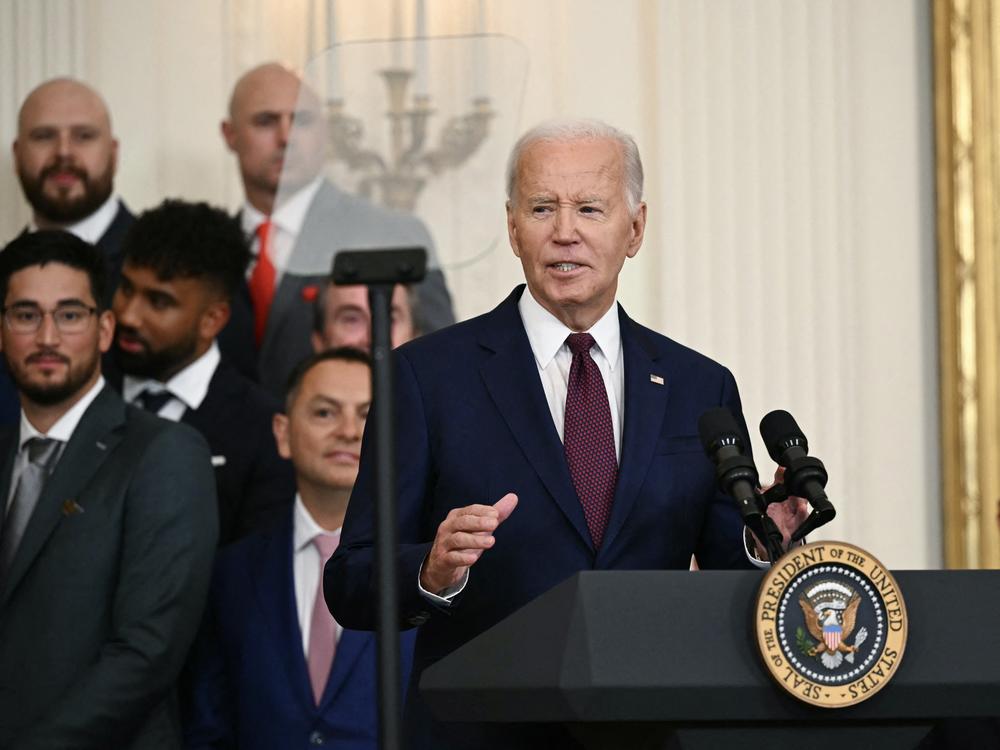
589,438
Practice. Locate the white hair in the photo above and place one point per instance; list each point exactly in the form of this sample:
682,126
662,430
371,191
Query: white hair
565,131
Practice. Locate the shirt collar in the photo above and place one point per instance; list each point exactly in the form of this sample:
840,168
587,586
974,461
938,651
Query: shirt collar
304,526
547,334
92,228
64,427
190,385
290,215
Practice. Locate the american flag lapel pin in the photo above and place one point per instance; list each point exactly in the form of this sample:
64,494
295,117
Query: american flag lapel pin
71,508
655,379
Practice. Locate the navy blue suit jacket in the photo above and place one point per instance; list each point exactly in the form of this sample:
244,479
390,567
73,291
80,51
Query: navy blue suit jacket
473,424
251,684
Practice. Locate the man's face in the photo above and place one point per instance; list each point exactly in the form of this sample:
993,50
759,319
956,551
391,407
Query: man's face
322,432
265,105
64,154
347,318
569,224
163,325
47,366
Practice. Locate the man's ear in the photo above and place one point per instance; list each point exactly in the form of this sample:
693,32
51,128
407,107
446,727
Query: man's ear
213,320
105,330
228,134
279,426
317,342
512,230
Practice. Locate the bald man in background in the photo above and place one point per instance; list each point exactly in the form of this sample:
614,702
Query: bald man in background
65,158
301,226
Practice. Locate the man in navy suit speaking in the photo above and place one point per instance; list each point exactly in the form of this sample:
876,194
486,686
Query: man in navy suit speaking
551,435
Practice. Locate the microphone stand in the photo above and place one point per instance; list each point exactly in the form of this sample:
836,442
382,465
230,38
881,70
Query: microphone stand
381,270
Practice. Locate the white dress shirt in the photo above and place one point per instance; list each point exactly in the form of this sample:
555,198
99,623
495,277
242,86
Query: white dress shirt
305,567
286,225
187,388
547,336
62,431
92,228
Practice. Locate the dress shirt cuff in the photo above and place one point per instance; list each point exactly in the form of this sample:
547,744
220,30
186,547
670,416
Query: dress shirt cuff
750,547
443,599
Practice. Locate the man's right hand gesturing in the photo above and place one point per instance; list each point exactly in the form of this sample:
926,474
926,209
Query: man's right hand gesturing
461,538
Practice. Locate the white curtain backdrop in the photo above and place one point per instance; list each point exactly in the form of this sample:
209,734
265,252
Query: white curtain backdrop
788,152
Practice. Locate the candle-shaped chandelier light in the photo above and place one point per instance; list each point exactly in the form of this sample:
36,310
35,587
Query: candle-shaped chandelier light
396,179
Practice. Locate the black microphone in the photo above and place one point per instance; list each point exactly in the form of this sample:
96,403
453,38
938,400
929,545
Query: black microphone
736,474
805,475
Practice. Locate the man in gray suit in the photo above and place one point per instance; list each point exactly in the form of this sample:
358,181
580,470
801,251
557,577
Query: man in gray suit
108,528
300,220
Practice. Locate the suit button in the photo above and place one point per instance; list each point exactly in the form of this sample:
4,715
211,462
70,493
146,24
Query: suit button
316,738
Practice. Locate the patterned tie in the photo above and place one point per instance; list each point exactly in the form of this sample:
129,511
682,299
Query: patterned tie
589,437
262,281
41,451
322,631
152,400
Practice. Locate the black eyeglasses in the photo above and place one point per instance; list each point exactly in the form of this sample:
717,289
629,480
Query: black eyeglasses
69,318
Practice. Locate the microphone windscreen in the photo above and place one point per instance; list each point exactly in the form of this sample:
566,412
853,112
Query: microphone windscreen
714,424
779,431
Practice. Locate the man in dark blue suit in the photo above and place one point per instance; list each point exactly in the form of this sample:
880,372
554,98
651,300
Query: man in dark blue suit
551,435
272,669
182,264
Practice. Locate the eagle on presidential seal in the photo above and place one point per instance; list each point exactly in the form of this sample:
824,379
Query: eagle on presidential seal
831,609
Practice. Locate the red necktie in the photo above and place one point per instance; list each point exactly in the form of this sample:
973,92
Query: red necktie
322,628
262,281
589,437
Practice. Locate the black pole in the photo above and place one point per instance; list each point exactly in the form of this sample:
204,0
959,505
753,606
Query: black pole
381,270
387,535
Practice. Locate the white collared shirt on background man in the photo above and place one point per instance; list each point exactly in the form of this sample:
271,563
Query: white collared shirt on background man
286,225
187,388
93,227
305,567
62,430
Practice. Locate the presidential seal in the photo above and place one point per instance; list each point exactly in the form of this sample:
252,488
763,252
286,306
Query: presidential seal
831,624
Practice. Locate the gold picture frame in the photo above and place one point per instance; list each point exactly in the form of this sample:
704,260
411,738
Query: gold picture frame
967,137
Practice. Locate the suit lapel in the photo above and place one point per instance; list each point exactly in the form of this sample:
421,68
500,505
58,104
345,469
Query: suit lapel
350,647
93,440
8,452
645,406
274,586
521,402
212,406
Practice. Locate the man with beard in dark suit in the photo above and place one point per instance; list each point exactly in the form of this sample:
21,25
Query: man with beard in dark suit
182,264
108,529
296,231
65,157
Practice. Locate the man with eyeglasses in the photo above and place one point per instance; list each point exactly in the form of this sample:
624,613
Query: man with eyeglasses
108,525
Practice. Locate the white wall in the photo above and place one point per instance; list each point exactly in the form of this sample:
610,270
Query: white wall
788,148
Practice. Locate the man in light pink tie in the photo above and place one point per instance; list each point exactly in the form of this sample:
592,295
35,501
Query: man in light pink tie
272,668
